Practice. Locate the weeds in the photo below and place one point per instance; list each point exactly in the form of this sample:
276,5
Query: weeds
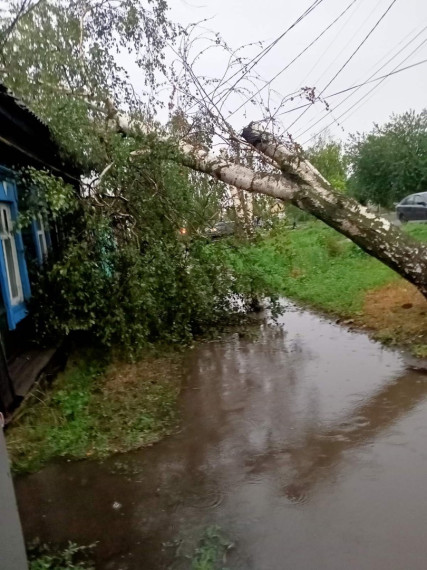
94,409
212,550
73,557
420,350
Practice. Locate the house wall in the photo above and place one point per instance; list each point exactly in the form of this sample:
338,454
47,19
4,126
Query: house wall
17,250
25,141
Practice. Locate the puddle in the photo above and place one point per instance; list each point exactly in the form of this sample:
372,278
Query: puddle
306,446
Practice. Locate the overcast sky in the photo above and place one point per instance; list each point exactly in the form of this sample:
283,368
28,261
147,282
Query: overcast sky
243,21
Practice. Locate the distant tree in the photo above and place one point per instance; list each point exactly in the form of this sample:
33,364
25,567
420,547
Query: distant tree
391,161
328,157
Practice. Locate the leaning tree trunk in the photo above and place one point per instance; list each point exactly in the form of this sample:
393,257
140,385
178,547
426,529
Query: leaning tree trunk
302,185
375,235
299,183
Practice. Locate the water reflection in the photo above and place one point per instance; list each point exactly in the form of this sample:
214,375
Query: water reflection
320,454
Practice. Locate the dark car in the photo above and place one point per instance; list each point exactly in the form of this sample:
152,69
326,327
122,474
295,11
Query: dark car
413,207
221,229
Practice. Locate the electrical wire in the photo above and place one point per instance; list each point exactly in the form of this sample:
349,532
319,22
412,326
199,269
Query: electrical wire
339,52
295,58
301,132
368,35
366,95
255,60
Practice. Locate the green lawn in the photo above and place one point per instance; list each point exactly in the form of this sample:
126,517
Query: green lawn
317,265
418,231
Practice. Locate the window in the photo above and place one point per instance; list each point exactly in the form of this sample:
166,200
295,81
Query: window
420,200
14,282
10,256
40,234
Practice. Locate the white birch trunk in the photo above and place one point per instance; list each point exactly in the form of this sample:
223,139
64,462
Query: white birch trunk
299,183
302,185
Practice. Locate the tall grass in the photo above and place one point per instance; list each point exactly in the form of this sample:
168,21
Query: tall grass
316,265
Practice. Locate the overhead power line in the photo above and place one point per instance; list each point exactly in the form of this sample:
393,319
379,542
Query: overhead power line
357,87
255,60
365,95
368,35
245,69
295,58
339,51
398,45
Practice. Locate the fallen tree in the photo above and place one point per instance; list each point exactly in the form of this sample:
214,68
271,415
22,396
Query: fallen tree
299,183
84,84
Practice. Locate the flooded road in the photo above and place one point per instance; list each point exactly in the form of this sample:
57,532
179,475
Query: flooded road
307,446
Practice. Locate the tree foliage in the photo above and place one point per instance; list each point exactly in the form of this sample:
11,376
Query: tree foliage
64,59
124,275
390,162
328,157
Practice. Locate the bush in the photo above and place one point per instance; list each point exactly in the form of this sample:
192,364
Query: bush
169,292
125,276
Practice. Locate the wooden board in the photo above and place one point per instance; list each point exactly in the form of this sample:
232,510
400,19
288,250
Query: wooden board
27,367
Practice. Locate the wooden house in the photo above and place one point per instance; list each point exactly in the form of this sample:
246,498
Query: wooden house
24,141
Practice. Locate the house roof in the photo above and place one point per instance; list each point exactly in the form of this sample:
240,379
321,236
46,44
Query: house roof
26,139
7,94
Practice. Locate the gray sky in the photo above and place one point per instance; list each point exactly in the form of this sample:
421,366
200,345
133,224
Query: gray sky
243,21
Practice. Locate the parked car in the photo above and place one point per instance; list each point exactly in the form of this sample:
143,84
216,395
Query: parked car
413,207
221,229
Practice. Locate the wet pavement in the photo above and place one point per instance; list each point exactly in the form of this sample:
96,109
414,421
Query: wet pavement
307,446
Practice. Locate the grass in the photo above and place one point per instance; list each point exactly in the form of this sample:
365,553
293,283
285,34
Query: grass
417,231
211,552
317,266
73,557
94,409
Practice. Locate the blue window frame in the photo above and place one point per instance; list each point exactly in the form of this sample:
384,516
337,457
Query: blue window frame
14,282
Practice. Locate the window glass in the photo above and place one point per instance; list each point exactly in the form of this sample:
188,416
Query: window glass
5,221
11,269
42,244
8,188
41,237
10,256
